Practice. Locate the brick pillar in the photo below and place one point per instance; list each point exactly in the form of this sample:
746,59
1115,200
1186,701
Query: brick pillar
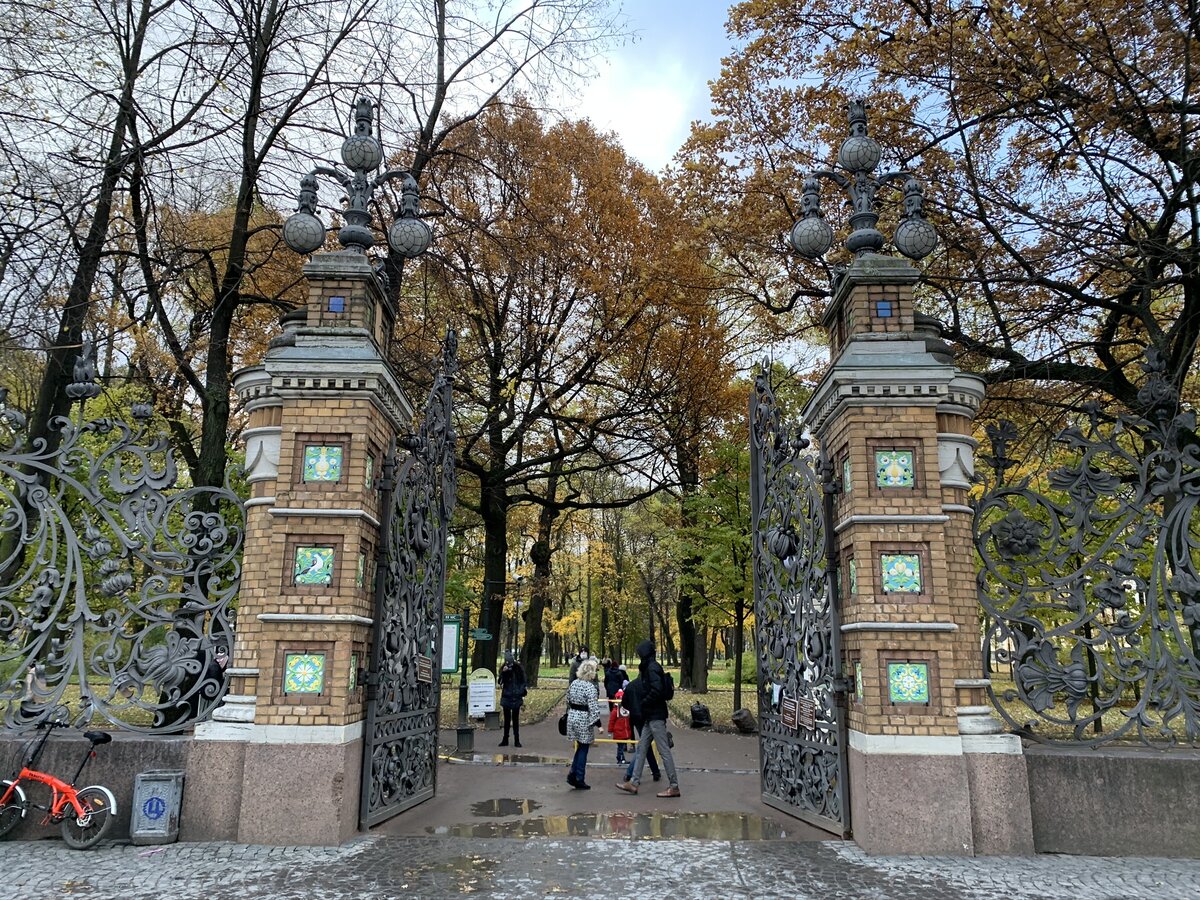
895,415
280,761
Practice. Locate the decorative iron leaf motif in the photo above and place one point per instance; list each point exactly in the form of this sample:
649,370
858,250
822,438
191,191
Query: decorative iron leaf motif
1090,588
795,617
117,579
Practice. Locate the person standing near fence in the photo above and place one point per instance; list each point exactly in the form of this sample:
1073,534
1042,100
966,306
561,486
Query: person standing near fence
656,690
513,688
583,715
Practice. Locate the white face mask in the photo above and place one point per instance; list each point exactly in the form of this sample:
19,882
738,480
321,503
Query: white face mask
582,655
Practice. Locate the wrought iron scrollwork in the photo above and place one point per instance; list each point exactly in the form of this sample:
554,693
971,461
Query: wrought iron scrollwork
116,579
1090,587
402,711
796,621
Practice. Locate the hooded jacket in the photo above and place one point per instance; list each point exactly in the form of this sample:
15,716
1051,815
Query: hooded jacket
653,706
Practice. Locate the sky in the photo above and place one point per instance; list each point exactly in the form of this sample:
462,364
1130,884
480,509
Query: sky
650,89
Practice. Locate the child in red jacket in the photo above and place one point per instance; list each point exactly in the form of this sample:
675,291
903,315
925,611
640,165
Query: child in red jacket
618,724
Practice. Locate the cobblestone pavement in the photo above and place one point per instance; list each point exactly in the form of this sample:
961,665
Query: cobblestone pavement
433,867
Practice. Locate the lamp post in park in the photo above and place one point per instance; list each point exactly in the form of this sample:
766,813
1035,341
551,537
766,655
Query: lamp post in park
857,158
362,153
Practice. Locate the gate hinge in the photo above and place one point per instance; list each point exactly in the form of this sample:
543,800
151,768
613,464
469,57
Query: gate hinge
369,680
840,685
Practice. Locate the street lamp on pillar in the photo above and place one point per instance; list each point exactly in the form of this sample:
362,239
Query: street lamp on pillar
858,156
362,153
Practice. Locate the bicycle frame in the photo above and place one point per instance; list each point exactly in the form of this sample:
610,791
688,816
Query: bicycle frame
62,794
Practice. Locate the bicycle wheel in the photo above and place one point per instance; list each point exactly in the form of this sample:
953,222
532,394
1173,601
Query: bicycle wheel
80,833
12,811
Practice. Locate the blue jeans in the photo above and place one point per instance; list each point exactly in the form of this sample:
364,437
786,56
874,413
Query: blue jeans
579,763
649,758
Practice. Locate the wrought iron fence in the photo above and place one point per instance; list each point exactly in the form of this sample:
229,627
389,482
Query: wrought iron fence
116,578
1089,588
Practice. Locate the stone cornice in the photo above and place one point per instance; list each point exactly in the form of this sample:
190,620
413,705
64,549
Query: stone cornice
307,371
895,372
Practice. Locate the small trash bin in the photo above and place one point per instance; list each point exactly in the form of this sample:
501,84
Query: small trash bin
157,797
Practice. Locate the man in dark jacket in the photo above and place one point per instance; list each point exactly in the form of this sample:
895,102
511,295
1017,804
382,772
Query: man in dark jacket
654,711
632,701
614,677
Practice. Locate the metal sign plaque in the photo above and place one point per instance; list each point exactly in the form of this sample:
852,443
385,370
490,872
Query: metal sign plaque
425,669
808,714
789,712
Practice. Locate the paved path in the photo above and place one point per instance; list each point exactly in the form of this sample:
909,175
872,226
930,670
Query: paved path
385,867
509,827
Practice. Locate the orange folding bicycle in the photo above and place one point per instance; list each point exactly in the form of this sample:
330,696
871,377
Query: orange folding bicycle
86,813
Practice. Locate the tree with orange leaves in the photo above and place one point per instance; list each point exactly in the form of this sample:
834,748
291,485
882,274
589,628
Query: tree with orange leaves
1057,143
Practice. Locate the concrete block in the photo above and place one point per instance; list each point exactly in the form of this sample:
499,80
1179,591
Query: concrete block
300,794
1111,801
908,803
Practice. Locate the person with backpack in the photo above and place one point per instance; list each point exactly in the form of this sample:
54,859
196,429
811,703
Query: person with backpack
657,689
631,699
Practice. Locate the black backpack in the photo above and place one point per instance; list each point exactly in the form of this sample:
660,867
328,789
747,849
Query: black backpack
668,690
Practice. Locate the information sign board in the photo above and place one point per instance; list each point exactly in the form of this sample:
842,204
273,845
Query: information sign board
481,692
451,643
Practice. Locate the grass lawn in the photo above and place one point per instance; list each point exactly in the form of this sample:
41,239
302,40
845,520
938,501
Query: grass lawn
1112,720
538,703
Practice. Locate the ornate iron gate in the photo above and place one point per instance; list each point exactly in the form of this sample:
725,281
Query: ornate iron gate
403,683
1090,576
117,578
801,691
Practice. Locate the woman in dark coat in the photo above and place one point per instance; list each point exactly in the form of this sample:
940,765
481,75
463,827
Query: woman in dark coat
513,688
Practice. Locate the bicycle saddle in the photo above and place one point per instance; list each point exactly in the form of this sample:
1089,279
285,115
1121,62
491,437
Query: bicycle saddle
98,737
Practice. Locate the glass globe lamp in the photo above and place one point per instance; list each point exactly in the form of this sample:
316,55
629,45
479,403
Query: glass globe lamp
811,237
362,153
409,237
859,153
303,232
915,238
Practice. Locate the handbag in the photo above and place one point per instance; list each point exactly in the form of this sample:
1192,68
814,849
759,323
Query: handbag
562,724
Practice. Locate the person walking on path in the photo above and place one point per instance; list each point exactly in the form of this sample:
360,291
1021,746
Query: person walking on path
513,688
614,678
631,701
575,661
653,697
583,714
619,727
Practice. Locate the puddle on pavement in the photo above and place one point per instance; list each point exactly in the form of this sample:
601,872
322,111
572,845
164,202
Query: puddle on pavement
504,806
704,826
506,759
466,870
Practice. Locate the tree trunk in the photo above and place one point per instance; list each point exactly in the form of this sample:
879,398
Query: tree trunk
494,507
691,641
540,555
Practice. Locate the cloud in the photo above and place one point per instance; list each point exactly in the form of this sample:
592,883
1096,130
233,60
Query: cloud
649,103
